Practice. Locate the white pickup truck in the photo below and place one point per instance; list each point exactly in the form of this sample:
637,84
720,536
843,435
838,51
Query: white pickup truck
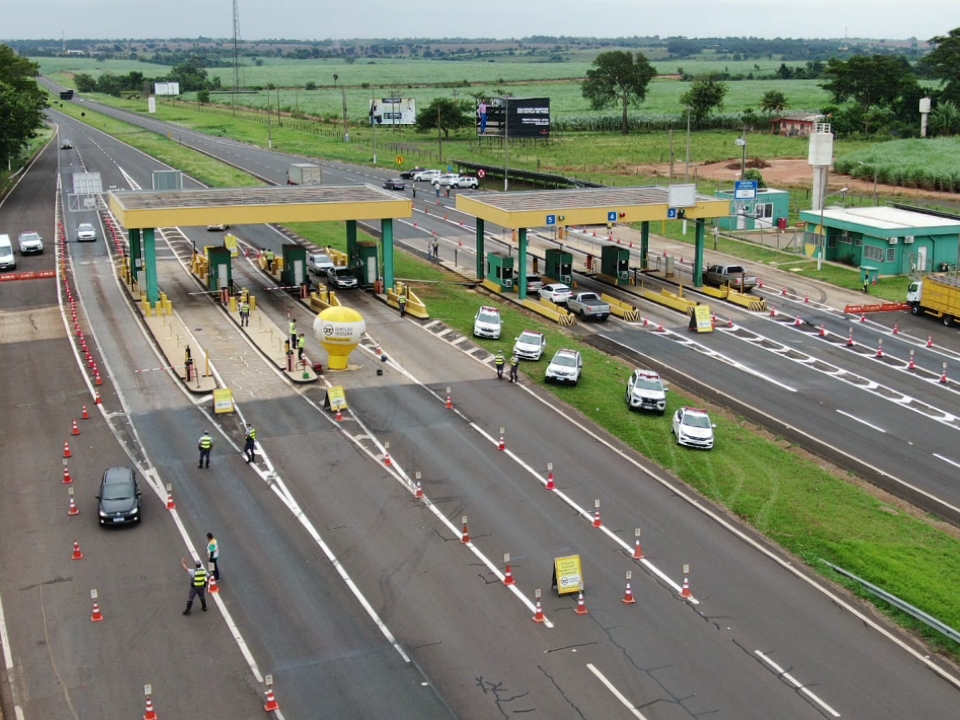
588,305
733,275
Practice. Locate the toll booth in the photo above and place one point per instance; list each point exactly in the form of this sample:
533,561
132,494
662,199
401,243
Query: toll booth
615,263
559,265
219,271
367,263
500,269
294,272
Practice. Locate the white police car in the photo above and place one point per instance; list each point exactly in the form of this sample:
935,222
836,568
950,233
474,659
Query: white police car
487,323
530,345
566,367
645,391
693,428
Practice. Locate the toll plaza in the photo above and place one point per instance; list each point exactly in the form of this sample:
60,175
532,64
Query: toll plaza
566,208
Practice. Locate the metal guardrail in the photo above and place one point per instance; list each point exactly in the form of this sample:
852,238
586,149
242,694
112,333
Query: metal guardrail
899,604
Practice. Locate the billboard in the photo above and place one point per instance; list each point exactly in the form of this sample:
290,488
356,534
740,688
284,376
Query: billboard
166,88
525,117
393,111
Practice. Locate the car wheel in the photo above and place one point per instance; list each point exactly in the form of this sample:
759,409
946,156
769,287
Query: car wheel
948,320
583,315
915,310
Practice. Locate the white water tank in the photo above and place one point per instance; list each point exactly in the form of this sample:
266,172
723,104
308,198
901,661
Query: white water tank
820,153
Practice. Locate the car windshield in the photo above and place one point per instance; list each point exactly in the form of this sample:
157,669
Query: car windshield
30,236
489,317
559,288
648,383
528,338
343,272
118,491
565,360
696,420
322,260
85,227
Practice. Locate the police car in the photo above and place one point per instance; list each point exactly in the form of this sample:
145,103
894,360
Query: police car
645,391
566,367
487,323
530,345
693,428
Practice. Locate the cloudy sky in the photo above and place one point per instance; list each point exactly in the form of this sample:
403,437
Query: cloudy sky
313,19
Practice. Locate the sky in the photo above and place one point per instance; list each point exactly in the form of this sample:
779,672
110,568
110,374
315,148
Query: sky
323,19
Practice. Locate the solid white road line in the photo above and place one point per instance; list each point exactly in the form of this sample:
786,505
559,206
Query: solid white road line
784,674
946,460
861,421
616,693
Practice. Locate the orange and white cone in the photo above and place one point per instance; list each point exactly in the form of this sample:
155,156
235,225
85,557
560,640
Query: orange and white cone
449,402
806,299
637,551
911,365
212,586
773,312
879,349
98,401
538,616
783,292
863,317
628,598
419,494
76,429
501,445
149,713
850,339
386,459
66,450
929,340
72,510
896,328
271,705
96,616
943,376
508,576
581,605
550,484
685,592
171,505
797,322
339,415
465,535
823,331
660,327
84,415
66,476
596,518
77,555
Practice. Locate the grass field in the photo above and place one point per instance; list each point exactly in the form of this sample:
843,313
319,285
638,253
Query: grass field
930,164
792,499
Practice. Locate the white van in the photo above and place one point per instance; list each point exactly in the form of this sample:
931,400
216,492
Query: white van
7,259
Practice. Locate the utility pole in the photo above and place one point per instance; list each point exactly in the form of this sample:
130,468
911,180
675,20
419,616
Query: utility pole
743,159
269,123
346,130
686,170
506,142
439,137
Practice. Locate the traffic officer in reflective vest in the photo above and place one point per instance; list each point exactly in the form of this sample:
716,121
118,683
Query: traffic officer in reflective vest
514,368
205,444
244,313
499,362
198,584
301,344
402,302
249,441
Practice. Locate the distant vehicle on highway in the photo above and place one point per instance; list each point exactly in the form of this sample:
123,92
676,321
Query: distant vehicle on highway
394,184
534,283
408,174
426,175
566,367
66,144
589,305
8,261
645,391
936,295
221,226
467,181
556,293
119,497
30,242
86,233
693,428
446,180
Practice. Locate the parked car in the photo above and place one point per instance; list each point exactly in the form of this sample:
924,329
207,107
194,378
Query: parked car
30,242
119,497
394,184
566,366
487,323
446,180
341,277
318,263
534,284
468,181
86,233
222,226
66,144
409,174
693,428
426,175
645,391
556,293
530,345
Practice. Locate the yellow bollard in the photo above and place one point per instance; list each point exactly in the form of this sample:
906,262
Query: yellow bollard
233,304
253,303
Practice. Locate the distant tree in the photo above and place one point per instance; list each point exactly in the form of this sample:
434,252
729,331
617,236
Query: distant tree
773,102
21,102
754,174
704,96
85,83
868,80
190,74
203,97
335,78
944,64
446,113
945,119
618,78
310,85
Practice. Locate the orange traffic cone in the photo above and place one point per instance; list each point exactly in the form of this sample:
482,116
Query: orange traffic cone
685,592
912,365
929,340
419,494
84,415
272,705
149,713
72,510
863,317
538,617
386,459
850,338
879,349
465,535
66,476
508,577
797,322
449,402
501,445
943,377
77,555
637,551
66,450
98,400
896,328
96,616
96,379
213,587
806,298
596,518
823,331
660,327
550,484
339,415
773,312
171,505
628,598
783,292
76,429
581,605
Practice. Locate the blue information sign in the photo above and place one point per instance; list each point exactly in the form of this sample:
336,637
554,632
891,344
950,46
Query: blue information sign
551,219
745,190
612,216
671,213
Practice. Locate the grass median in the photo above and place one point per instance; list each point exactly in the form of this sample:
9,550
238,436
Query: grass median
810,509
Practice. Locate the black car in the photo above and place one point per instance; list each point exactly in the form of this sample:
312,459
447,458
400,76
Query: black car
119,497
408,174
341,277
394,184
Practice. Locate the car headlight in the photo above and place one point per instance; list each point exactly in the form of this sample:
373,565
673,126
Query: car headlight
103,514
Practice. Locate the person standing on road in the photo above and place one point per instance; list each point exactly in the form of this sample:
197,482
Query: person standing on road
436,249
249,443
198,584
205,444
293,334
301,345
413,189
213,555
514,368
499,361
402,302
866,285
437,188
244,313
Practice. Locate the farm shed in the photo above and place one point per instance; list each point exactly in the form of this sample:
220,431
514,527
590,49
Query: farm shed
796,124
891,239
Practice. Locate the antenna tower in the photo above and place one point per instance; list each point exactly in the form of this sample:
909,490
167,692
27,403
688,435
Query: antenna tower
236,51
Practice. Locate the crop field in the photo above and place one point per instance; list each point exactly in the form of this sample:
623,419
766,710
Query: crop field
929,164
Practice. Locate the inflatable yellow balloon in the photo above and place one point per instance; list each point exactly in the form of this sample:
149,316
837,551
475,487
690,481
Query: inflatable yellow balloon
339,330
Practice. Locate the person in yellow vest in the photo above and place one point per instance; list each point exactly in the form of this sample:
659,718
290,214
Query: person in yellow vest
244,313
293,333
499,361
514,368
250,443
301,344
402,302
270,261
205,445
198,584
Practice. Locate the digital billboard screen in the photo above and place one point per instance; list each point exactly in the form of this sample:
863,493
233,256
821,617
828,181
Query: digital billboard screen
525,117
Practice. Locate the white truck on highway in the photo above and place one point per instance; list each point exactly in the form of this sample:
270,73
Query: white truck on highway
304,174
588,305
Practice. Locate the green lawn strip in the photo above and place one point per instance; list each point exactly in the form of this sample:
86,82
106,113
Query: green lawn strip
33,148
809,511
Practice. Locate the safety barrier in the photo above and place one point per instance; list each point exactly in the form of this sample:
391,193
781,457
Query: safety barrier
620,308
670,299
750,302
30,275
883,307
323,299
549,310
491,286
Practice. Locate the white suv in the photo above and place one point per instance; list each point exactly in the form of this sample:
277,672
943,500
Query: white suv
566,366
467,181
693,428
487,323
645,391
30,242
446,180
426,175
530,345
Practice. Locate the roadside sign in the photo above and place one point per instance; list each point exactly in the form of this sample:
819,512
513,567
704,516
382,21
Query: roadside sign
336,399
481,173
568,574
551,219
222,401
230,243
612,216
701,320
399,159
745,190
671,213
